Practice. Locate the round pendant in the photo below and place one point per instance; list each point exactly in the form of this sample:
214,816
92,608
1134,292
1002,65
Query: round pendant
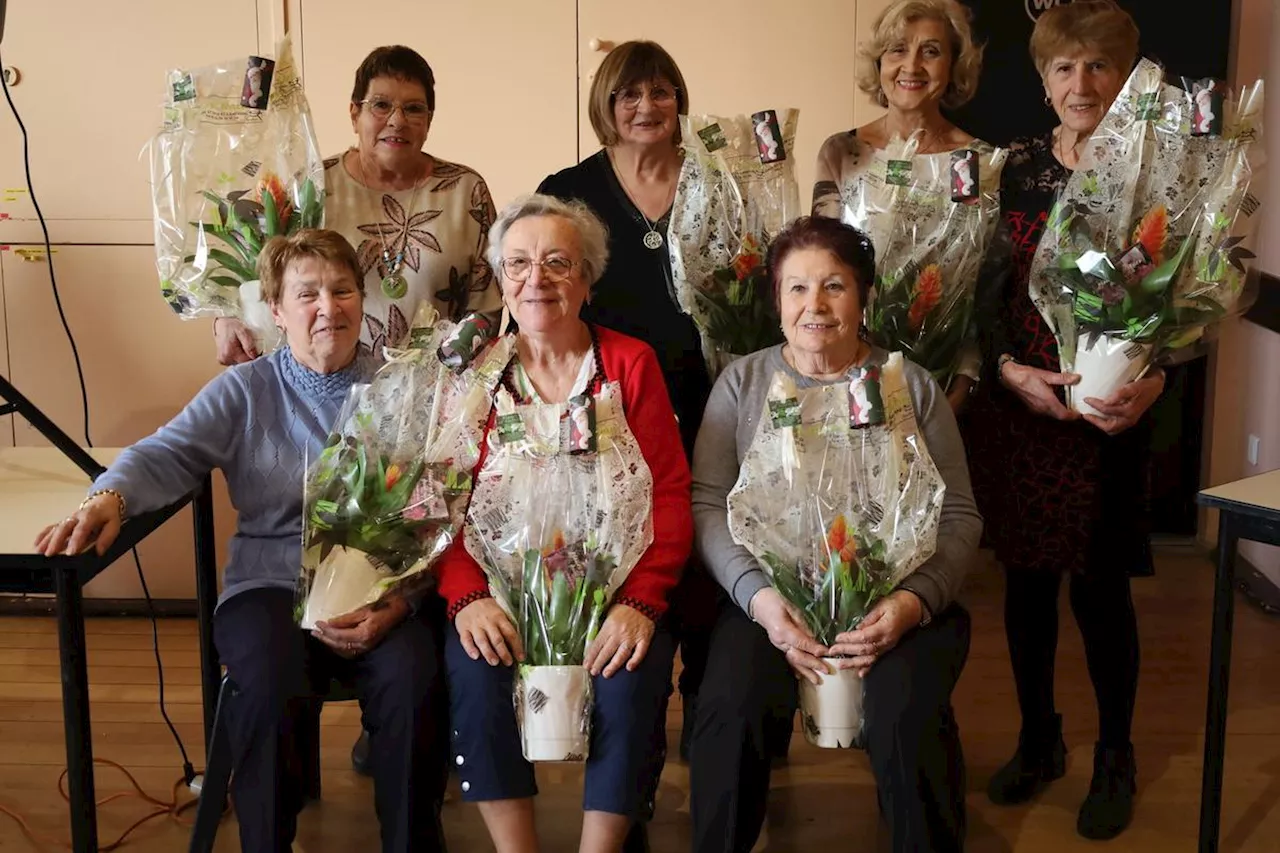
653,240
395,286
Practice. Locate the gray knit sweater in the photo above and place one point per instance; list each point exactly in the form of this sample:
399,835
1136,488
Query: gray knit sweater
259,423
728,428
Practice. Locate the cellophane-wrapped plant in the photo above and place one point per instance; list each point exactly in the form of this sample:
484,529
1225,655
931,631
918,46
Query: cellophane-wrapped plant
1147,246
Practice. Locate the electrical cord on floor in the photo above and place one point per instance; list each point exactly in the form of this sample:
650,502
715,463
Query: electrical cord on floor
172,808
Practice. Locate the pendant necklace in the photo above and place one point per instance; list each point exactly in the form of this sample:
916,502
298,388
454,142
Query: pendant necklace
394,284
653,237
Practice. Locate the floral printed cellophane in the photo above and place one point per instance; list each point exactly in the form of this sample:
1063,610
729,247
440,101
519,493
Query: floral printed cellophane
390,490
929,247
1146,247
226,177
837,507
561,514
733,195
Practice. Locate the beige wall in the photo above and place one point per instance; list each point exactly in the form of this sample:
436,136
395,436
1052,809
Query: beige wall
1244,395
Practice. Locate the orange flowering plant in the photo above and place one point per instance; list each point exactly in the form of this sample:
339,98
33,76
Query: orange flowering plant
1146,243
836,588
916,310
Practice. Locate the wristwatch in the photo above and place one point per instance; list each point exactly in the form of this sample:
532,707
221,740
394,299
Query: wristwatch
926,616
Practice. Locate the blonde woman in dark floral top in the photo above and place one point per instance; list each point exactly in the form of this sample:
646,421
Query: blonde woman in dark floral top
419,223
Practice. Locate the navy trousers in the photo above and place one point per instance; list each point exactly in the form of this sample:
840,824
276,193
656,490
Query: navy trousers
280,671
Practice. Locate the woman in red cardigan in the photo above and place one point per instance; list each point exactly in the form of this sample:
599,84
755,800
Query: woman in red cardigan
548,253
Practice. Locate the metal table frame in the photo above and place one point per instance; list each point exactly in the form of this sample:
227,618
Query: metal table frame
1237,520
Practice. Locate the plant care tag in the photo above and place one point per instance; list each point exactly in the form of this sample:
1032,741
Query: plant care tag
510,428
898,173
964,175
256,91
467,339
866,403
768,137
784,413
712,137
581,428
1206,106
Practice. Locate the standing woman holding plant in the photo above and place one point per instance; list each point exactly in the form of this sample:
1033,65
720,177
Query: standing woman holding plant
1062,494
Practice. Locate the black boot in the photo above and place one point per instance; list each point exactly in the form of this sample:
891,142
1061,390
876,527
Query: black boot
1041,758
1108,808
360,755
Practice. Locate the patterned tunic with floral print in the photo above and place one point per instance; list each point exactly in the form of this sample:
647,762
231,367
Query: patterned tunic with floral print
441,229
1055,496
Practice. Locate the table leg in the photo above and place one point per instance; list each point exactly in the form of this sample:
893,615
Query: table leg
206,599
75,711
1215,727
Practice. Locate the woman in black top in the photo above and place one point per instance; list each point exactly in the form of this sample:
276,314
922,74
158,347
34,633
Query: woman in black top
636,100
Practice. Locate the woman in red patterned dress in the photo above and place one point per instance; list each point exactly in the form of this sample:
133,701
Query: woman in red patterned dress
1062,493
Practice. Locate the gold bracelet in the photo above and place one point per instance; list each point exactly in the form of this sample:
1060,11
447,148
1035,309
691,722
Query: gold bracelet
119,497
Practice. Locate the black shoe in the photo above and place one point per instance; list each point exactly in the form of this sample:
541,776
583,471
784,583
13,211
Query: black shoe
1041,758
1108,808
360,755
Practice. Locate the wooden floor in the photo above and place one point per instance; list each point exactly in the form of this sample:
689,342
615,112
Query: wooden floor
824,800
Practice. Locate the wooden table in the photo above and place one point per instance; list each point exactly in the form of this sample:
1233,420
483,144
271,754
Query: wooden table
1248,509
39,486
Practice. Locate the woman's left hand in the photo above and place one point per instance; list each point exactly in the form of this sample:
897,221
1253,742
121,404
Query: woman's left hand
1127,405
358,632
891,617
623,641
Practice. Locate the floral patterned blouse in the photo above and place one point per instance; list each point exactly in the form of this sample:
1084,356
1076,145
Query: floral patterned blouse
440,230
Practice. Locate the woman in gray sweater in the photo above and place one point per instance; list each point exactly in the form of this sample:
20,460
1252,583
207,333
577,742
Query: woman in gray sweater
258,423
913,643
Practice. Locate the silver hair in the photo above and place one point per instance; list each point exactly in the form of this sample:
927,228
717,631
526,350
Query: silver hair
593,237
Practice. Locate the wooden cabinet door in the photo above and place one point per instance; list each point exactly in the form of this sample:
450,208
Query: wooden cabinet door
505,79
740,56
91,95
141,366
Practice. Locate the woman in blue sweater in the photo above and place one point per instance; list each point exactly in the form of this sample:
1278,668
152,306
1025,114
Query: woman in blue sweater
259,422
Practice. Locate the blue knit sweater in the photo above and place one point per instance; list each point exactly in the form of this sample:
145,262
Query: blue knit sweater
259,423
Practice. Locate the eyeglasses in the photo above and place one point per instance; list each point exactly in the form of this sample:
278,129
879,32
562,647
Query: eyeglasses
630,96
553,269
414,111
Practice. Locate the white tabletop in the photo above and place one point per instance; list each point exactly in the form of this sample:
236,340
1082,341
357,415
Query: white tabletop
1262,491
38,486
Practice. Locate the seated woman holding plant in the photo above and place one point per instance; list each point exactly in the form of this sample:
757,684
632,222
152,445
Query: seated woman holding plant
912,643
259,422
588,404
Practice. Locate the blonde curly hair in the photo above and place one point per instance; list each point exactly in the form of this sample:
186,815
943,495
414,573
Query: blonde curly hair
966,54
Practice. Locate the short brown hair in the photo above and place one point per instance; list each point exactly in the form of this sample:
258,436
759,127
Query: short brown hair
279,252
403,63
627,64
851,246
966,54
1097,24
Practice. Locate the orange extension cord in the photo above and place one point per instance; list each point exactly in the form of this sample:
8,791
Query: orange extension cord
172,809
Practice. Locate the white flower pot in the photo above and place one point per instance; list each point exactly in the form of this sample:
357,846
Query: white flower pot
1104,367
256,314
553,706
831,712
347,580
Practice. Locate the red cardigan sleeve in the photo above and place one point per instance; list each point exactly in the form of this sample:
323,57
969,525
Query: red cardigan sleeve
652,420
459,577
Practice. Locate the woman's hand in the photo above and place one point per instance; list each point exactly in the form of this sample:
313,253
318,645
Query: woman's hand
1127,405
360,631
959,391
97,523
789,634
623,641
890,618
486,631
1035,388
234,340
